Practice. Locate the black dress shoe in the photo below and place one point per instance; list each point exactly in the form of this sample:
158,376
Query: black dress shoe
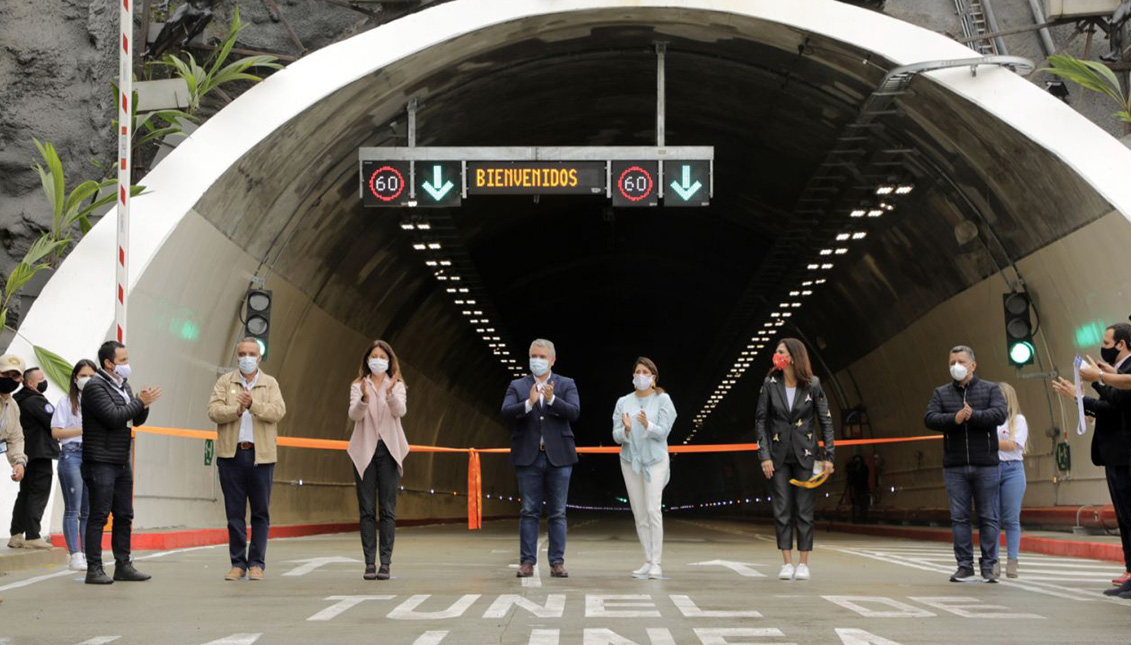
96,575
383,572
964,574
125,572
370,572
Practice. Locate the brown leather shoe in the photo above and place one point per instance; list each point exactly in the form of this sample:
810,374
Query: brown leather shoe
255,573
558,570
525,570
235,574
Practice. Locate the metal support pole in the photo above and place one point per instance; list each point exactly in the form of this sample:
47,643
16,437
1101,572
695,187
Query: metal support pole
661,50
991,22
1043,32
412,105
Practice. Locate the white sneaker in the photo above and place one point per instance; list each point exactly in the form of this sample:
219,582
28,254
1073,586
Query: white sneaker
78,561
802,572
655,573
642,572
786,572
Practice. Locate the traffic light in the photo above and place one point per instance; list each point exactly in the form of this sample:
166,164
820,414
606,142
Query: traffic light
1018,329
257,317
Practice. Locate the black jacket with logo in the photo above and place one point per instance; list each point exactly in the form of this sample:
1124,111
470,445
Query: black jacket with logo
106,434
35,419
973,443
783,430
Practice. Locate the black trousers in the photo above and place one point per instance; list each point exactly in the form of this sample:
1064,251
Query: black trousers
245,483
1119,485
31,501
792,503
111,489
378,486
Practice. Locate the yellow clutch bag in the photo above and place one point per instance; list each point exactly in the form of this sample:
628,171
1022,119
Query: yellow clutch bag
812,482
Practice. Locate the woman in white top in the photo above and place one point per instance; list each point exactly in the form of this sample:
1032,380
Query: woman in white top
641,423
66,427
1013,440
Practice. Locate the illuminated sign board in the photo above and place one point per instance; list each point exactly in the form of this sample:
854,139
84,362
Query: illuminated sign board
687,183
385,183
635,183
535,177
439,183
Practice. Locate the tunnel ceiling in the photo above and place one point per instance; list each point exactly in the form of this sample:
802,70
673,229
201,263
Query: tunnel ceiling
611,284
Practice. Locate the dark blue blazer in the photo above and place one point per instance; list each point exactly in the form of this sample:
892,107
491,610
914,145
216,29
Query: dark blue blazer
548,423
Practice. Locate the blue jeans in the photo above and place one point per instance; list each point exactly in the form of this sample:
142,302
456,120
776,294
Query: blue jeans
1012,490
981,485
537,482
76,499
243,482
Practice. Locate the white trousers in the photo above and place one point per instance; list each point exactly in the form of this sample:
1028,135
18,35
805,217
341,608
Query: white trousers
645,497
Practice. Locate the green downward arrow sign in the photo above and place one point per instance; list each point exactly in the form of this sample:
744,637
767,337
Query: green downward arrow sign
434,189
686,189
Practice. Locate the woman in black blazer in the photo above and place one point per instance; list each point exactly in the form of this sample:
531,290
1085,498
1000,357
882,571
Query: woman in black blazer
791,407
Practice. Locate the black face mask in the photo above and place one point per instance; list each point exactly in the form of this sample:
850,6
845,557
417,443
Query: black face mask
42,387
1109,354
8,384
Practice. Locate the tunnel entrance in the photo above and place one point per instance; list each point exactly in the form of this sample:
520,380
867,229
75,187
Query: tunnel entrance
268,189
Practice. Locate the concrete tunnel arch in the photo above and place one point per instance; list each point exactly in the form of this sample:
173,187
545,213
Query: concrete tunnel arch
218,208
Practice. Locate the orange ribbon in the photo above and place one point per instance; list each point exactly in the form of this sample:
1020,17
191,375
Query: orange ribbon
474,470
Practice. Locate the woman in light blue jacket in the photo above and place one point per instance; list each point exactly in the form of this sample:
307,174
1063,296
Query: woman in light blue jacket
641,423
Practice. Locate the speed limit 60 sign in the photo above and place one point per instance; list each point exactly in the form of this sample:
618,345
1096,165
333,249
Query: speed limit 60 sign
385,183
635,183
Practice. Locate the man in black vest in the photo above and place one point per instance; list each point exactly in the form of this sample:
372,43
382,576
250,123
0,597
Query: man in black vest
41,448
1111,446
108,410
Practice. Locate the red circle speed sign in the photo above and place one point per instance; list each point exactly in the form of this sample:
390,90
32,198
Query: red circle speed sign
635,183
386,183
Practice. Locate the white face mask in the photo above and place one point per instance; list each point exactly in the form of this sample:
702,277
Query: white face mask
641,381
248,364
123,371
959,372
378,366
539,366
81,382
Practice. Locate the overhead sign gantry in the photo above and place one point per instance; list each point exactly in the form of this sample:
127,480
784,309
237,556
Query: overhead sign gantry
628,175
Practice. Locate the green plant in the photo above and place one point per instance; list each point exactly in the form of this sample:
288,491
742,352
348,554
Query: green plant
1093,76
57,369
204,79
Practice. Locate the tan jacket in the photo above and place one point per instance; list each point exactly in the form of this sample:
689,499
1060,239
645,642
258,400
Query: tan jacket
13,432
267,409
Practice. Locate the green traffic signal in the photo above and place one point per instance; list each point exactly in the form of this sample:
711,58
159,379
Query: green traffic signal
1021,353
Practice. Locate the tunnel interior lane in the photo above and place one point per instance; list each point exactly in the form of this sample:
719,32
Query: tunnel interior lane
455,587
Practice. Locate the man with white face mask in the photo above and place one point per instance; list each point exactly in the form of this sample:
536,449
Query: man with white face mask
540,408
246,406
968,411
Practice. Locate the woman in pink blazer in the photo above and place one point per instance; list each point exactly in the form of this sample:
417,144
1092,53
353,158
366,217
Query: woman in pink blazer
378,447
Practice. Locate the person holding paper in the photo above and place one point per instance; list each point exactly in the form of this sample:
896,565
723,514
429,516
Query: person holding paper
1111,446
791,417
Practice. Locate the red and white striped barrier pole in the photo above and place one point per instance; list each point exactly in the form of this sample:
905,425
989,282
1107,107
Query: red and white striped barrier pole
125,125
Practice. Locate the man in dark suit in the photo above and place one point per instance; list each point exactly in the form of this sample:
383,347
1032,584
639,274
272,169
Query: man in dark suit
1111,446
540,408
41,449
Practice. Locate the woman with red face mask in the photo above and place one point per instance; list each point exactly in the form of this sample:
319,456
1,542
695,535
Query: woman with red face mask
792,416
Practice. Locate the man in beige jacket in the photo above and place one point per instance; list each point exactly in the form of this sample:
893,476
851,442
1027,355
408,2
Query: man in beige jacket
11,433
246,407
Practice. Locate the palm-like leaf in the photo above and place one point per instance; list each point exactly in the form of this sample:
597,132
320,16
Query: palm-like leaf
51,178
57,369
1090,75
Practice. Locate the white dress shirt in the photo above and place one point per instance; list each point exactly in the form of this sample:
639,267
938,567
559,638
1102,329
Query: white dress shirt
246,429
